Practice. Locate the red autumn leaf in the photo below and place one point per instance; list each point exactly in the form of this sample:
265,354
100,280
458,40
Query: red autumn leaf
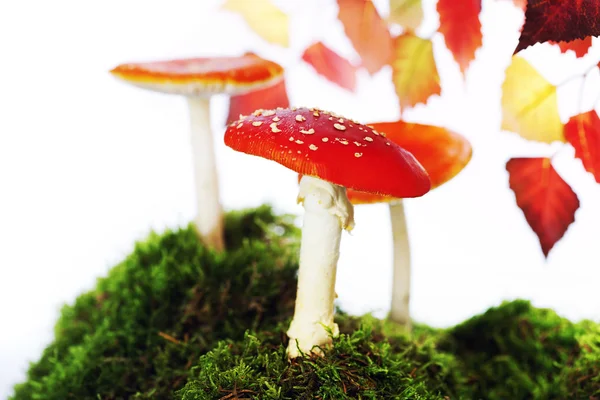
583,132
579,46
460,25
559,20
268,98
367,31
332,66
548,202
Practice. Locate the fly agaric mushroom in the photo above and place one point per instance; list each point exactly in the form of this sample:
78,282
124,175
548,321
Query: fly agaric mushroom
332,153
198,79
443,154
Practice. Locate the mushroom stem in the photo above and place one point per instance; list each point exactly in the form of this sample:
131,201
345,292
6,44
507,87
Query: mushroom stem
327,212
400,312
209,214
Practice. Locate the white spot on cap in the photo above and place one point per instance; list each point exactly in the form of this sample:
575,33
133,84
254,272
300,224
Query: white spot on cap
339,127
240,125
299,141
300,118
276,119
274,128
368,138
257,123
325,140
358,155
308,132
268,113
313,147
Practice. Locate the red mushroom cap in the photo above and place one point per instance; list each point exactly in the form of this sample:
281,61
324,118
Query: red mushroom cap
442,153
330,147
202,76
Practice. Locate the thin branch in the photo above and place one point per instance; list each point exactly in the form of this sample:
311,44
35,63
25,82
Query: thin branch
584,74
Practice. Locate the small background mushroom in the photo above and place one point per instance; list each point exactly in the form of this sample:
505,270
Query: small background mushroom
198,79
444,154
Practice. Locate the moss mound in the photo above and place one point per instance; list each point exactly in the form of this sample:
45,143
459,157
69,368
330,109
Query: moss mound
175,321
171,300
516,351
363,363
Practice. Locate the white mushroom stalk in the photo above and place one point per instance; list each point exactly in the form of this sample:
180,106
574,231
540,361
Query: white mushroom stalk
332,154
400,312
327,212
209,216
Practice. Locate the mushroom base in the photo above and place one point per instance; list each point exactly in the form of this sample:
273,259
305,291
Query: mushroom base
327,212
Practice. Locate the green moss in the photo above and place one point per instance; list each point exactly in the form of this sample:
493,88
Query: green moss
175,321
516,351
363,363
150,319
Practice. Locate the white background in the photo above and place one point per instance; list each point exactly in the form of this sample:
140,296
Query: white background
88,164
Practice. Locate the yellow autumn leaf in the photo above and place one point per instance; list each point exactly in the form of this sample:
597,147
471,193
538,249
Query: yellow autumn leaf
530,104
264,18
407,13
414,72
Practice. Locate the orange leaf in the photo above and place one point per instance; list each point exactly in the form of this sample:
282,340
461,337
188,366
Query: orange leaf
407,13
414,72
441,152
579,46
548,202
460,25
268,98
367,31
530,104
332,66
264,18
583,132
